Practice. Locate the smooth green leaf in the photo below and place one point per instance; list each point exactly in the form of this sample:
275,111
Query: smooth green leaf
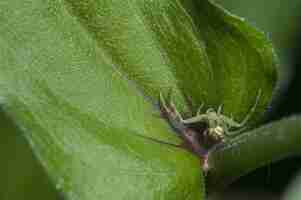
82,77
254,149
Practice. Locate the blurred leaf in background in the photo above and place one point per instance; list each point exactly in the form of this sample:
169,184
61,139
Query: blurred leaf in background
278,18
294,192
21,177
280,21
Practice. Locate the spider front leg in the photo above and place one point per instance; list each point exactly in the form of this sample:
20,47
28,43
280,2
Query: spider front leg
199,118
169,109
200,109
236,132
241,124
230,123
219,110
173,114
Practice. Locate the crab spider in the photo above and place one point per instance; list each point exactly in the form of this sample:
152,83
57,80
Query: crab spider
219,125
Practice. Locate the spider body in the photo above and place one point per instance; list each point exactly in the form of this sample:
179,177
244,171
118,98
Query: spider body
219,125
216,127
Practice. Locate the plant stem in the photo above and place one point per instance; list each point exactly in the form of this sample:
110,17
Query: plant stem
253,149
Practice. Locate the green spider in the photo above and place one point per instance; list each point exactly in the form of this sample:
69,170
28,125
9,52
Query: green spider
218,125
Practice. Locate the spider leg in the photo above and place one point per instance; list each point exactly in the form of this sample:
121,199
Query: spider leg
169,109
227,127
210,110
165,104
165,107
162,104
196,119
248,116
200,109
189,101
175,111
219,110
235,133
230,122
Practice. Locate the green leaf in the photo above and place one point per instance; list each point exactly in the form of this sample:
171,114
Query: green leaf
21,175
82,77
283,26
190,46
254,149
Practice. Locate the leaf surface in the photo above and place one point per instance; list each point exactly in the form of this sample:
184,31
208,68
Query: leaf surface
82,78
